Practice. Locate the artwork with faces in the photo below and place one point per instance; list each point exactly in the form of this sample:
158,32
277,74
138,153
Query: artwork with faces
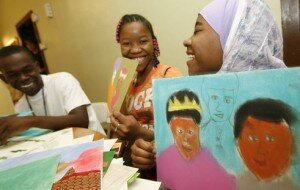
249,126
217,130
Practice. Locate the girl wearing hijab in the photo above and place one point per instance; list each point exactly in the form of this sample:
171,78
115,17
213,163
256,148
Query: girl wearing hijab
234,36
229,36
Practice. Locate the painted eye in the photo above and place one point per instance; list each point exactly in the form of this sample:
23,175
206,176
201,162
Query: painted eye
252,138
270,138
190,132
214,97
227,100
179,130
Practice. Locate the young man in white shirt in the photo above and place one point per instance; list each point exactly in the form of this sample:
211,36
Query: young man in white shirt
57,101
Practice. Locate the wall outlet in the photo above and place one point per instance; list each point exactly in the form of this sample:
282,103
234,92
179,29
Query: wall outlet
48,10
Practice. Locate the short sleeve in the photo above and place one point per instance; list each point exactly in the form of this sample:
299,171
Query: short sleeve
72,93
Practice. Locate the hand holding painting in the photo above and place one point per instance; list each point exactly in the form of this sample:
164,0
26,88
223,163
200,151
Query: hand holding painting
126,126
143,154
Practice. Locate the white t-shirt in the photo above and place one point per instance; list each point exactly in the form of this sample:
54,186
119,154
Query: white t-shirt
62,93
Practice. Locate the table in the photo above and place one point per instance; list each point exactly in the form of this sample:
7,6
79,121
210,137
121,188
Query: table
80,132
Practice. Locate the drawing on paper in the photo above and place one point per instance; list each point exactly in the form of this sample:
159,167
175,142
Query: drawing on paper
123,74
256,147
183,114
265,141
218,130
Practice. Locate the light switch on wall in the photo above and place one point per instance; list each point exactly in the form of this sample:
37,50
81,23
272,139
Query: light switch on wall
48,10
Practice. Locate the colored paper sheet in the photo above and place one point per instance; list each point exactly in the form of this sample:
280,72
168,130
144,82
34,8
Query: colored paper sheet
107,158
78,181
76,156
35,175
33,132
123,74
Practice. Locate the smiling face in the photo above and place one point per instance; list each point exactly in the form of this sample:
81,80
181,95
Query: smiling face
136,43
186,135
204,49
266,147
22,73
220,104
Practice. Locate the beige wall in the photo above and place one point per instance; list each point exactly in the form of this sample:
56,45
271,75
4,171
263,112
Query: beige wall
81,36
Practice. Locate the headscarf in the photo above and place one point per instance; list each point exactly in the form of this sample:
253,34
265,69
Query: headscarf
249,35
220,14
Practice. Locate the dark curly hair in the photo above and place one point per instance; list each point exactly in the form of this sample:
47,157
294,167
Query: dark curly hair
266,109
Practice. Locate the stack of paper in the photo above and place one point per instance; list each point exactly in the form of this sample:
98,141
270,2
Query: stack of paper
57,161
120,177
78,159
77,162
21,145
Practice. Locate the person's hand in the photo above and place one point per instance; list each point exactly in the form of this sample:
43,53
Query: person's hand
11,125
143,154
125,127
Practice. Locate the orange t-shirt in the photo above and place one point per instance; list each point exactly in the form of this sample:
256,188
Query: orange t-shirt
139,98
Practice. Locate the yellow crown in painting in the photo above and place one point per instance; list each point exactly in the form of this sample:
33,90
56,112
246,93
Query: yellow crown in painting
176,105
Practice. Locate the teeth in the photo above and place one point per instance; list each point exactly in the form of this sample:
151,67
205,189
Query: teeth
191,57
27,85
139,59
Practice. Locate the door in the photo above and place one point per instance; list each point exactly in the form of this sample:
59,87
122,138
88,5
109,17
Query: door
291,32
30,38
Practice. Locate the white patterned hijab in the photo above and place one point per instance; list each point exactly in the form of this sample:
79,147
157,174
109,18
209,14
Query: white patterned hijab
254,41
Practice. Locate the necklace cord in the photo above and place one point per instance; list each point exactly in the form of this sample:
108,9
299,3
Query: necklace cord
44,103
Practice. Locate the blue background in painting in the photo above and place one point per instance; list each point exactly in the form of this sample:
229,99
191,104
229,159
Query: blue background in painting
281,84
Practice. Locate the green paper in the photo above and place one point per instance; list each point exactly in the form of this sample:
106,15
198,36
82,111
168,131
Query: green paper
133,177
35,175
107,158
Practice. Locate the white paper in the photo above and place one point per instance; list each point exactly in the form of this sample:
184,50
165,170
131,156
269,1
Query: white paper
117,175
21,146
84,139
124,186
117,161
62,138
108,144
144,184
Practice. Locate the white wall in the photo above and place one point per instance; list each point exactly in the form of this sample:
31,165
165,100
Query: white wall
81,36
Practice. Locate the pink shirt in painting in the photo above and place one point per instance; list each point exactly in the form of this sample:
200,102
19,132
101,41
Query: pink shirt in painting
203,172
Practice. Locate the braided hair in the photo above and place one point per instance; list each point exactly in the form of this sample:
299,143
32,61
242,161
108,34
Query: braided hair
139,18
